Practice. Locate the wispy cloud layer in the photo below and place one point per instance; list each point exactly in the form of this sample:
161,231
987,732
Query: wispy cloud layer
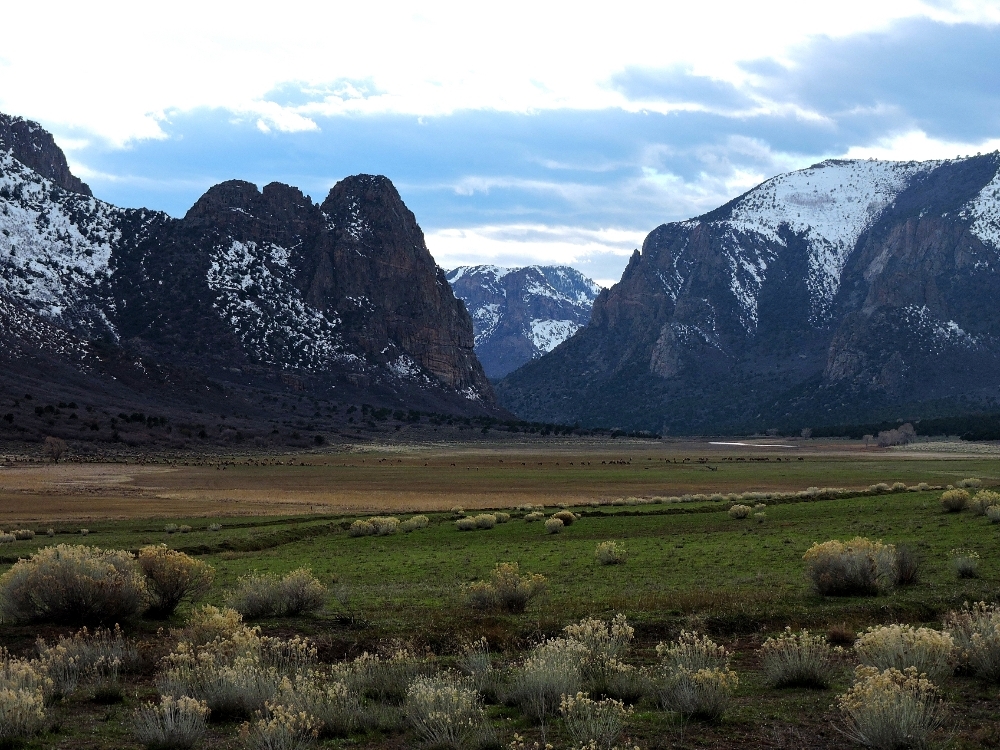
517,132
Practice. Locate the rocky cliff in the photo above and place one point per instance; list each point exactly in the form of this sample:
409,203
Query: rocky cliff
850,290
519,314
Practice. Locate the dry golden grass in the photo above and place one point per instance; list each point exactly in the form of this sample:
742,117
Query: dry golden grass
426,477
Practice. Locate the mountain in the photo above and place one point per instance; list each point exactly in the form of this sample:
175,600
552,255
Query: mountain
519,314
252,296
849,291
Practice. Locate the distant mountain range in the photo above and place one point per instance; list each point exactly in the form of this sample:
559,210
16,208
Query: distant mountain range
519,314
851,291
253,297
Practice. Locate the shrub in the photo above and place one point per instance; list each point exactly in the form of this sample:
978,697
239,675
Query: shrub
101,654
797,660
907,566
965,563
414,523
902,646
69,583
485,521
7,538
976,632
22,714
760,507
171,577
466,524
971,483
279,728
954,501
740,511
604,640
858,566
507,589
207,623
84,532
502,517
170,528
601,722
22,534
476,663
554,525
552,669
215,527
565,516
993,513
693,677
610,553
50,532
384,678
898,487
458,511
444,711
890,709
534,516
384,525
335,707
173,724
361,528
984,500
267,595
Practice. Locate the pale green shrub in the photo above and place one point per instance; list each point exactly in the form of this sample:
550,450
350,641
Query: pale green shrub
279,728
601,722
100,655
797,660
22,534
173,724
24,674
553,525
69,583
858,566
975,630
267,595
466,524
485,521
361,528
610,553
534,516
445,712
185,529
902,646
567,517
760,517
7,538
993,513
384,525
507,589
603,640
171,577
984,500
329,700
760,507
891,709
206,623
740,511
923,487
215,527
84,532
384,678
502,517
604,673
954,501
22,714
693,677
898,487
170,528
965,563
458,511
414,523
971,483
552,669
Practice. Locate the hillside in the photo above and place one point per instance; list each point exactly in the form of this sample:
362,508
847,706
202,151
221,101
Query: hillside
852,291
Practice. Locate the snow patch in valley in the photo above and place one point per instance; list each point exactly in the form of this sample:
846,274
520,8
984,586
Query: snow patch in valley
546,335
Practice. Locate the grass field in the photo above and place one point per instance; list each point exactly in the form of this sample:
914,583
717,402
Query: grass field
690,565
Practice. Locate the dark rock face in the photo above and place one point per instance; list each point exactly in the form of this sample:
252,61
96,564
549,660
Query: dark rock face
520,314
34,147
254,286
844,292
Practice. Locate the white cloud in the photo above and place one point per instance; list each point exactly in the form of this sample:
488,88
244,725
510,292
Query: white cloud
918,146
114,68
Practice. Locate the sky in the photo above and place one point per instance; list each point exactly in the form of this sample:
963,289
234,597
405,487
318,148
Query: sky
517,132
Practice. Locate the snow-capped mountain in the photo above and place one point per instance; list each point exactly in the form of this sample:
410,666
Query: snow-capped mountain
519,314
839,292
251,286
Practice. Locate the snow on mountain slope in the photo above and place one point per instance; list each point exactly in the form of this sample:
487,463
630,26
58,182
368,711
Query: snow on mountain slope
519,314
829,205
984,211
55,247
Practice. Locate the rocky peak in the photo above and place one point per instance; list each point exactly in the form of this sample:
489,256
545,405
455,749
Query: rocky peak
35,147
